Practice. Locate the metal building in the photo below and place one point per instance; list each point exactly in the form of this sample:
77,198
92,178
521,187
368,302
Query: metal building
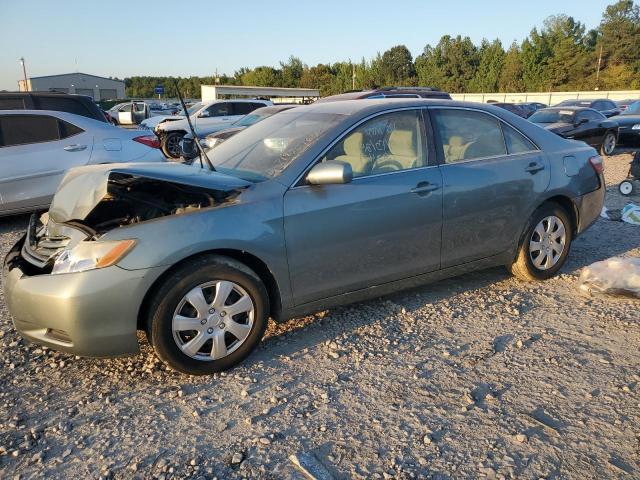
98,88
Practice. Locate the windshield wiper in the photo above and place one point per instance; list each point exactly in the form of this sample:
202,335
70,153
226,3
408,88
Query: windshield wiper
196,139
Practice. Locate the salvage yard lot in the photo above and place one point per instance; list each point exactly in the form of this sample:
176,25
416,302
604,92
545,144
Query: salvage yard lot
476,376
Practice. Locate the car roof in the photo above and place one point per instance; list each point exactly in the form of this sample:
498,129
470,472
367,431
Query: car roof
369,105
362,94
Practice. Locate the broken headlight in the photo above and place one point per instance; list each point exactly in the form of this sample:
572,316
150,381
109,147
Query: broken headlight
91,255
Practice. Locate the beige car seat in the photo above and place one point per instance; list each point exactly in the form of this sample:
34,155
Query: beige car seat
402,150
352,146
454,151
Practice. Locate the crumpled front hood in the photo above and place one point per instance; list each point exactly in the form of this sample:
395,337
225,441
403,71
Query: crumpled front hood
84,187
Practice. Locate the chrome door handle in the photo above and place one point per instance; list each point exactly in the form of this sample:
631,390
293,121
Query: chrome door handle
534,167
75,148
424,187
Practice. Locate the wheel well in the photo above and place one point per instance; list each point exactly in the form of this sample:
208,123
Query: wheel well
567,204
254,263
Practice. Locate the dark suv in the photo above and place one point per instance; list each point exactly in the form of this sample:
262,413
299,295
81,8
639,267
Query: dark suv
59,102
389,92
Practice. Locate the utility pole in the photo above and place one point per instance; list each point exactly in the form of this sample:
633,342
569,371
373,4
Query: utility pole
24,73
598,69
353,76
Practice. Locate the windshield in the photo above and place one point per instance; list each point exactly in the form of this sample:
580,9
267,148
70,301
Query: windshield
553,116
633,109
192,109
266,149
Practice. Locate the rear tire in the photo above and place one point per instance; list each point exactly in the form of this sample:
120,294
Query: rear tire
211,338
171,144
608,144
545,244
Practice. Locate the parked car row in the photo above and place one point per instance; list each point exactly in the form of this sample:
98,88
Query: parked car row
38,144
308,208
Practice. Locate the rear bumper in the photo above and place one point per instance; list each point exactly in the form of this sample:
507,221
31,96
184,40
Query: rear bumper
590,206
91,313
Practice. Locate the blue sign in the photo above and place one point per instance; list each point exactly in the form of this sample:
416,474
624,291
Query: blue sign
159,89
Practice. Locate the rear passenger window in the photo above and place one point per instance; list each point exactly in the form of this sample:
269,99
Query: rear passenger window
68,129
468,135
26,129
516,142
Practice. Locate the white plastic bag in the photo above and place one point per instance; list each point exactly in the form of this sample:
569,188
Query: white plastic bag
631,214
614,276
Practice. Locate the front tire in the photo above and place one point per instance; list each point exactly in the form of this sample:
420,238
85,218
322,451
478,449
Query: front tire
208,315
171,144
608,143
545,244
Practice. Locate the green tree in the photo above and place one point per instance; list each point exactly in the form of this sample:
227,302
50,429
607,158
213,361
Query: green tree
491,60
450,65
291,72
512,71
397,66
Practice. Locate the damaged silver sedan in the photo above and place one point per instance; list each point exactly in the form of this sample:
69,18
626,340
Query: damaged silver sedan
318,206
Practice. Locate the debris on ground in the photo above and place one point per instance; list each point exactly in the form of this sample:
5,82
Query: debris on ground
614,276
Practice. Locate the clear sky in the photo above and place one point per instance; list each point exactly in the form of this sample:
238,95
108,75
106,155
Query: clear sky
183,38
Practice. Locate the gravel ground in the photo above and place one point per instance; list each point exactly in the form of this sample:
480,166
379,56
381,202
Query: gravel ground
480,376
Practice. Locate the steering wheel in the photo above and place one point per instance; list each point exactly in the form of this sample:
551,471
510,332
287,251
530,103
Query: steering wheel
389,164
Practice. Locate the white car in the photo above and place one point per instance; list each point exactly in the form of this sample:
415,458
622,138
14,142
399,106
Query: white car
210,118
152,122
37,147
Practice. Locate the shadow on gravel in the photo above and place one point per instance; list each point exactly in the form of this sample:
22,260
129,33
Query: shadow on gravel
14,223
305,335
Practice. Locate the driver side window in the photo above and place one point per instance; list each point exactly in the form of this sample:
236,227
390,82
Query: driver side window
386,143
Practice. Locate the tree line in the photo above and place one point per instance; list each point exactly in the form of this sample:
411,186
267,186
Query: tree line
562,55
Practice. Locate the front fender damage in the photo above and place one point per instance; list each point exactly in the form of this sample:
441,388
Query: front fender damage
95,200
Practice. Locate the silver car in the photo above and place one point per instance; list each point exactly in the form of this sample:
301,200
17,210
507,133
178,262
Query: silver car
37,147
317,206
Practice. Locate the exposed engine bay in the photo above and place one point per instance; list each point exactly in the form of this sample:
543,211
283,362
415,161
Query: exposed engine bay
131,199
89,208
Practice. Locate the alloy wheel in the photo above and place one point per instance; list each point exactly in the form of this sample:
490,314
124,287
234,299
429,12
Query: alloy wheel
547,242
609,144
213,320
173,145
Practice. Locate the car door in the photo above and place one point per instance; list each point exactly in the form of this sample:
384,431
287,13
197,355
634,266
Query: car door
214,117
125,114
493,176
140,112
595,127
383,226
35,152
584,128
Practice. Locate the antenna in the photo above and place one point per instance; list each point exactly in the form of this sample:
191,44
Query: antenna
196,139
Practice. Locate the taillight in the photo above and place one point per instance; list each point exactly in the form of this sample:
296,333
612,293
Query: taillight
597,164
148,140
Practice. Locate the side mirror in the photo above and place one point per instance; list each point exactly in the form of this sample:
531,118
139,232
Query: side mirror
581,121
330,172
204,114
